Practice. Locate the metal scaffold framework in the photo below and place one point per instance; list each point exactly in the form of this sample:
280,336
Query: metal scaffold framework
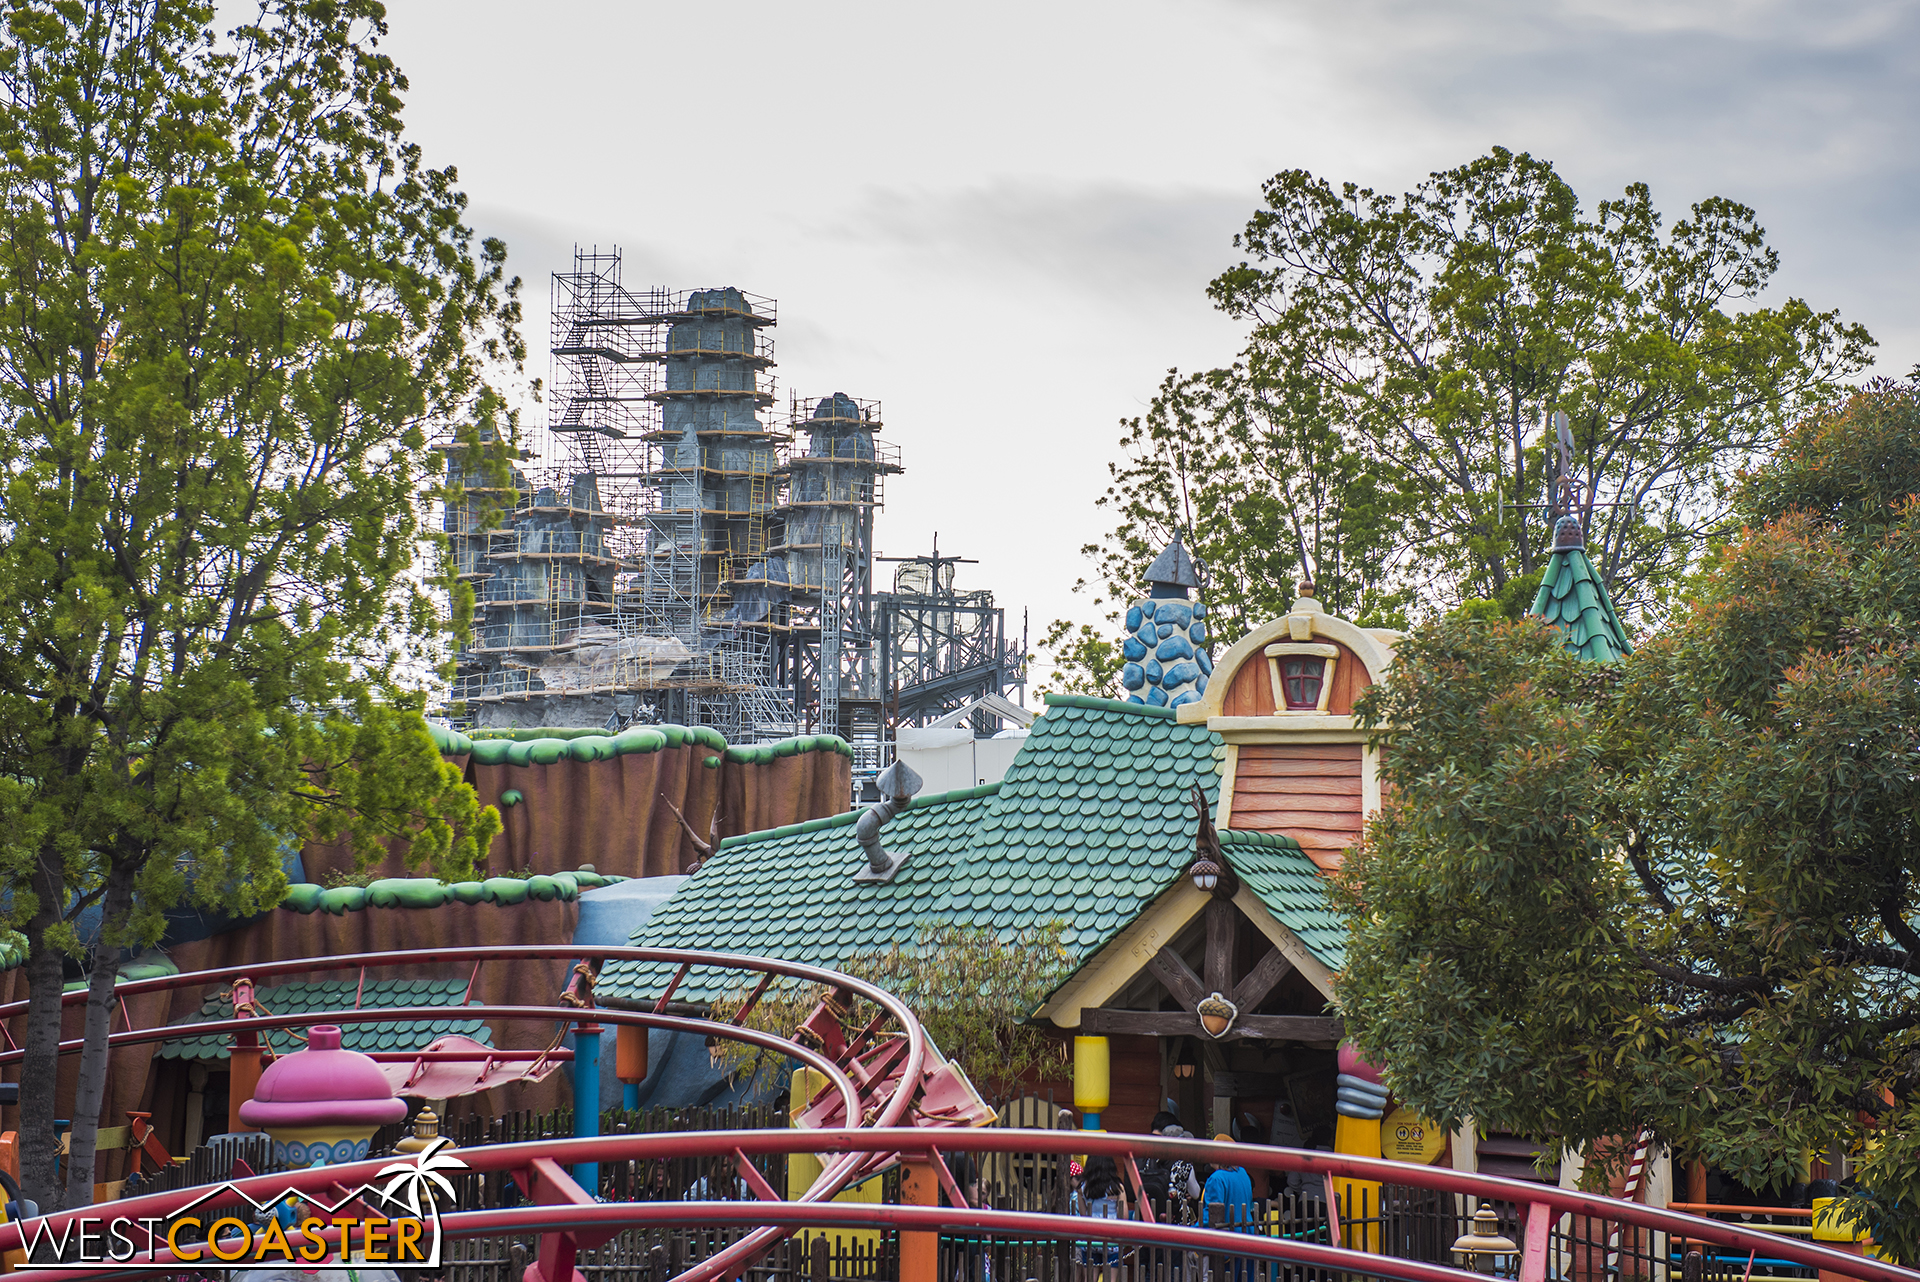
669,473
685,559
836,472
941,648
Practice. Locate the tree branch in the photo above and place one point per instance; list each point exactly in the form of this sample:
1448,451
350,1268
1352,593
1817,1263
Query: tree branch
1637,856
1896,925
1703,982
1714,1014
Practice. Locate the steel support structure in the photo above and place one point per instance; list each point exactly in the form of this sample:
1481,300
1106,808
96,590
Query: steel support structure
568,1219
564,1220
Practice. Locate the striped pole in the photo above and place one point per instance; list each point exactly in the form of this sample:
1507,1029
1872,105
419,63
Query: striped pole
1636,1175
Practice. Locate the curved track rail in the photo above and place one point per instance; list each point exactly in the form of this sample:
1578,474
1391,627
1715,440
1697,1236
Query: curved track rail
889,1110
1543,1205
877,1138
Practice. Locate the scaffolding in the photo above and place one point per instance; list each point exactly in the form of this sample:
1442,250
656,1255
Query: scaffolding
816,581
685,560
941,648
537,556
615,607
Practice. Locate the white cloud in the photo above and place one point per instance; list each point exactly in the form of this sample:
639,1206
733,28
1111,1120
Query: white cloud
999,218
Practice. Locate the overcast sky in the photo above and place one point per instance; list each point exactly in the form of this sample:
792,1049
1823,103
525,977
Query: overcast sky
999,219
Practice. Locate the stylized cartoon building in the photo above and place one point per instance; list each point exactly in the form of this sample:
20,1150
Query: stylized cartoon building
1208,989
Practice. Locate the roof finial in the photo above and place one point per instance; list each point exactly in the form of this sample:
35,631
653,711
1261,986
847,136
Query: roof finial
1573,596
1172,572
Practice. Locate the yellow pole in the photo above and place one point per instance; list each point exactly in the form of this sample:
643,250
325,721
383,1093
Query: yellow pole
1092,1080
1356,1131
1359,1199
804,1168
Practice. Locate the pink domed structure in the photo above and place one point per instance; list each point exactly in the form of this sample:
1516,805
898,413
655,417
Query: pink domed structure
1352,1065
322,1103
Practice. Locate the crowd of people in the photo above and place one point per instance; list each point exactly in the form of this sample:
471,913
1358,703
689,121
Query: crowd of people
1217,1196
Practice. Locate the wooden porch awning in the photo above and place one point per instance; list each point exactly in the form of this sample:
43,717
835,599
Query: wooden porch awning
1191,990
1180,1023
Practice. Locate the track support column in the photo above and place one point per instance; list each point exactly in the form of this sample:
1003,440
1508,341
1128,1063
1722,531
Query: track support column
586,1098
546,1183
919,1252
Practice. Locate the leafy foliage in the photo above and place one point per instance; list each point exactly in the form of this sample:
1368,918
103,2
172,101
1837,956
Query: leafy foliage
1678,891
1085,661
1250,466
1381,430
971,991
232,306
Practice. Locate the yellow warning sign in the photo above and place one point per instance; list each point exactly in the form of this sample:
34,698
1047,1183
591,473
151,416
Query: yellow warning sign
1405,1136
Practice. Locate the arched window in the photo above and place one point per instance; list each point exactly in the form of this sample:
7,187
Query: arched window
1301,673
1300,679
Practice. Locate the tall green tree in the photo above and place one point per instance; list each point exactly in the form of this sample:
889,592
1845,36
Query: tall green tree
232,305
1266,490
1255,471
1381,432
1446,324
1084,659
1677,892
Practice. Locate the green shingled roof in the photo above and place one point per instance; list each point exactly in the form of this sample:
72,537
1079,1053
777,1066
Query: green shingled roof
338,995
1288,883
788,893
1573,599
1092,822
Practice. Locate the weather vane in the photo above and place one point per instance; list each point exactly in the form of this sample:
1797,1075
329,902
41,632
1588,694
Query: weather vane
1566,489
1565,494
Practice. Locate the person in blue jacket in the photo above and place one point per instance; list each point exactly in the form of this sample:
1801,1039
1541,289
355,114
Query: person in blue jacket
1229,1188
1227,1202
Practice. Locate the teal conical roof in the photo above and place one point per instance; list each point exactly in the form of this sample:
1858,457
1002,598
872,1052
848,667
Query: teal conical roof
1573,598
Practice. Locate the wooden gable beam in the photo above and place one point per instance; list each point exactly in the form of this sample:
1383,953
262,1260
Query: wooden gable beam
1311,968
1171,969
1121,961
1260,981
1223,921
1179,1023
1222,932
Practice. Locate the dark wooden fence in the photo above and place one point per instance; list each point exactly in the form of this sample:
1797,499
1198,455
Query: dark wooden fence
213,1163
1408,1222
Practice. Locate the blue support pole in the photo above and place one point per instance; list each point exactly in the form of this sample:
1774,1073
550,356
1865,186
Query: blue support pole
586,1100
1090,1121
630,1095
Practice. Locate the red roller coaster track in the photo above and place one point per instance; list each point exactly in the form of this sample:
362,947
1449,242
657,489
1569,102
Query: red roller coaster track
567,1217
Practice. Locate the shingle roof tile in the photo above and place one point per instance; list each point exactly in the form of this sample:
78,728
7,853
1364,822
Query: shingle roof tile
1573,598
1092,822
320,997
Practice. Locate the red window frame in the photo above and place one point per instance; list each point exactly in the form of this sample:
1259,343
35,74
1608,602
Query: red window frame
1302,677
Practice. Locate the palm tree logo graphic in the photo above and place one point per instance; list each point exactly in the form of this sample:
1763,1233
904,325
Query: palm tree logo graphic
423,1177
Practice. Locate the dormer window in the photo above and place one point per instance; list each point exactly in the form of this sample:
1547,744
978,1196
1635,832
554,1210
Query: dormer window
1302,674
1301,677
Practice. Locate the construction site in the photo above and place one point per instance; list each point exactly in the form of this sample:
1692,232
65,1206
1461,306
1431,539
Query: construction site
680,546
